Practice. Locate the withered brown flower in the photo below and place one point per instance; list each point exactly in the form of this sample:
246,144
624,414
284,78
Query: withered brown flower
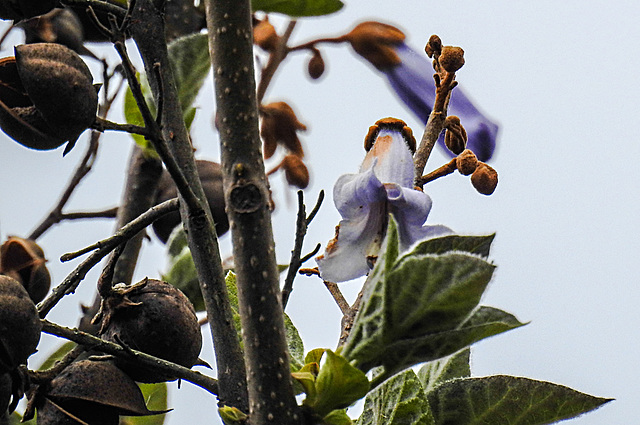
280,125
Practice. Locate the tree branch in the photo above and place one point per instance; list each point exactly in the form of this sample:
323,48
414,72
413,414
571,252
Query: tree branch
148,33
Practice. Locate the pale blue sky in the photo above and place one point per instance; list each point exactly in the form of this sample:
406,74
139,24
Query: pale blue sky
560,78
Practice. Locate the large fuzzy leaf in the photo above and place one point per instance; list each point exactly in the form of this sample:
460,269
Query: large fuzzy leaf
507,400
298,8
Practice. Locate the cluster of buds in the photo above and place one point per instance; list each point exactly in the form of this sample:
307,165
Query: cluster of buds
280,126
47,96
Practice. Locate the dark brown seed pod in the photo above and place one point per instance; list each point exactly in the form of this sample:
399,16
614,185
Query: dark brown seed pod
19,325
154,317
94,391
48,96
211,178
23,9
24,260
6,390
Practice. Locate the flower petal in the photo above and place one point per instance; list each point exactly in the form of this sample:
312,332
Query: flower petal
413,83
390,158
410,208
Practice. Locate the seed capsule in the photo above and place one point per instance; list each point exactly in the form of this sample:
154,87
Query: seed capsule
19,325
23,260
24,9
47,96
154,317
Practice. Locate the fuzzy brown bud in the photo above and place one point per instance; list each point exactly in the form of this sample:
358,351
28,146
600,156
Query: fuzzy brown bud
47,96
315,66
295,171
265,35
280,125
484,179
466,162
455,137
376,42
451,58
433,47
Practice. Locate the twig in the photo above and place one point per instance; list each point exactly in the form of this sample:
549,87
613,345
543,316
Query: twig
302,224
275,59
163,366
100,5
43,376
101,125
108,213
104,247
444,170
338,297
83,168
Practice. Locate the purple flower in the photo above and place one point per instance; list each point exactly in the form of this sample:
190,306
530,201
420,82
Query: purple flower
384,185
412,80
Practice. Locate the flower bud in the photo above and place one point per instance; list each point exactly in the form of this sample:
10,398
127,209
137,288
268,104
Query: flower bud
316,65
47,96
18,10
451,58
484,179
375,42
466,162
23,260
433,47
455,137
394,123
265,35
295,171
280,125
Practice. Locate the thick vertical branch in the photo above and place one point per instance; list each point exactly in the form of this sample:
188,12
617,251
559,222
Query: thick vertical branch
148,32
230,44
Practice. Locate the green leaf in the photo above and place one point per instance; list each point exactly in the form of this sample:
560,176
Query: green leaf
155,396
507,400
400,400
133,116
189,57
419,303
232,415
297,8
314,356
57,355
338,385
485,322
183,275
439,371
479,245
16,419
337,417
296,347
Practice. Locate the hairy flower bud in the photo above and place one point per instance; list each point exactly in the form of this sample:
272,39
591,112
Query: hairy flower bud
484,179
280,125
375,42
433,47
455,137
47,96
451,58
23,260
265,35
295,171
315,66
466,162
24,9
